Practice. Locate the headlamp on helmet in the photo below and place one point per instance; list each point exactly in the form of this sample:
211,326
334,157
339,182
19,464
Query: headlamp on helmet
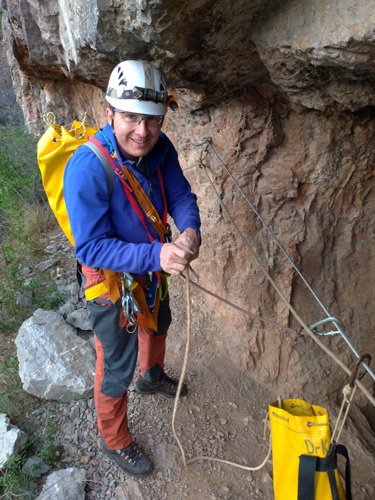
138,87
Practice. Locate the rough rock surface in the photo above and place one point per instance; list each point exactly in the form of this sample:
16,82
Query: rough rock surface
320,53
54,363
11,439
35,467
66,483
286,90
79,319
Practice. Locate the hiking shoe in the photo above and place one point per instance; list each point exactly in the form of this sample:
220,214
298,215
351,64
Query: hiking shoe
130,459
164,385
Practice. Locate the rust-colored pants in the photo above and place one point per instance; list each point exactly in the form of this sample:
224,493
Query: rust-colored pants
117,352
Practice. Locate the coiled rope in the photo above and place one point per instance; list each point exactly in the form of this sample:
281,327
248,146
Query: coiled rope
177,399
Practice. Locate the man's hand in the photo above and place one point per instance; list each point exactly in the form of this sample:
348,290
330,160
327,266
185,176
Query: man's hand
174,258
191,240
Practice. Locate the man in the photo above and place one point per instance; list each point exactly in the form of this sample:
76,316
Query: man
114,234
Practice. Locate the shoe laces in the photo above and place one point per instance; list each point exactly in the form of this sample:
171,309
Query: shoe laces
130,453
168,380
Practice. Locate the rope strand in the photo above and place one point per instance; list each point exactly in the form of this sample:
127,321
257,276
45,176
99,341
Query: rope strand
248,313
177,399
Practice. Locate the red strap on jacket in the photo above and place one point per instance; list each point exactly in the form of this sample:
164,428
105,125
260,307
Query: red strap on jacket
165,211
128,190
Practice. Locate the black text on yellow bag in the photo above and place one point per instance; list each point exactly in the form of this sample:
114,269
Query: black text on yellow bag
299,429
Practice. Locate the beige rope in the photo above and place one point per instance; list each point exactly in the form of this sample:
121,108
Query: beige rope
50,120
347,391
183,371
177,399
81,125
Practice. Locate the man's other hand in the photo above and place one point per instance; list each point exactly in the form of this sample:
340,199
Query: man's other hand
191,240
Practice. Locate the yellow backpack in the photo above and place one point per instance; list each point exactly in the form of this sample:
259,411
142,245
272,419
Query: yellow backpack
55,148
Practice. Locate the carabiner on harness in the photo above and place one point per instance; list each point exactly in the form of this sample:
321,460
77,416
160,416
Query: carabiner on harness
130,306
126,309
150,292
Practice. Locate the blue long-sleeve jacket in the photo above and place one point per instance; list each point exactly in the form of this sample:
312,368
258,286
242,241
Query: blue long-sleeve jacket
108,233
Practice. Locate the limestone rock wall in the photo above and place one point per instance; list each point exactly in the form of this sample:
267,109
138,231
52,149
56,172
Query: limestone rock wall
285,89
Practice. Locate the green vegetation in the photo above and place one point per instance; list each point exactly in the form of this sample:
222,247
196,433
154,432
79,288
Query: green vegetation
24,217
48,452
25,222
13,483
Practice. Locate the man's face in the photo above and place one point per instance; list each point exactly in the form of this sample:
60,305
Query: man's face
133,140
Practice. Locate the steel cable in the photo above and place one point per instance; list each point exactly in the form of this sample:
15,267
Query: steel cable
339,328
265,272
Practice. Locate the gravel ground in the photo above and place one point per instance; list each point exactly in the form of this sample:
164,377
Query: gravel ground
207,424
222,416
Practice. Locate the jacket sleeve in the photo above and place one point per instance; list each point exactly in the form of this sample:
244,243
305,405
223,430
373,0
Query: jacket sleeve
89,205
181,202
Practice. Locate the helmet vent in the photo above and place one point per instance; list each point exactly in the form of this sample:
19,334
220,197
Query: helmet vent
120,73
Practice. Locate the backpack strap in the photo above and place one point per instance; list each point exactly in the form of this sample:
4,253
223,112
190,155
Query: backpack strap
309,464
131,186
306,477
342,450
165,211
146,204
106,164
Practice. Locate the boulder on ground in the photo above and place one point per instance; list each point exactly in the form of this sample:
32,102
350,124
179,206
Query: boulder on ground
11,439
54,362
65,484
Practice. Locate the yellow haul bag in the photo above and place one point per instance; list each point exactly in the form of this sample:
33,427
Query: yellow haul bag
300,429
55,148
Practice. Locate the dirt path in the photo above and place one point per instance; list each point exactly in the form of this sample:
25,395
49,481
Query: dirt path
222,416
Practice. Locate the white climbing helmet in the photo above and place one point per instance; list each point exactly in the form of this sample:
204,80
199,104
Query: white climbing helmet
137,87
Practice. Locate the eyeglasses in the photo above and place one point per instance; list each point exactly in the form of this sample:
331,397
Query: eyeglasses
135,119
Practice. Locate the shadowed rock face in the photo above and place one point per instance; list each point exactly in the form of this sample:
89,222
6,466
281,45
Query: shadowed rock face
8,105
321,54
285,89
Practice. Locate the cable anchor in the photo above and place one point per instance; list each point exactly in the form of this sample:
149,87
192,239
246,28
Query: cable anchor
204,153
348,393
360,360
337,322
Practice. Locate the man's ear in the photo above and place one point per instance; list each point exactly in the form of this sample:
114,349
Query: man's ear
109,115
